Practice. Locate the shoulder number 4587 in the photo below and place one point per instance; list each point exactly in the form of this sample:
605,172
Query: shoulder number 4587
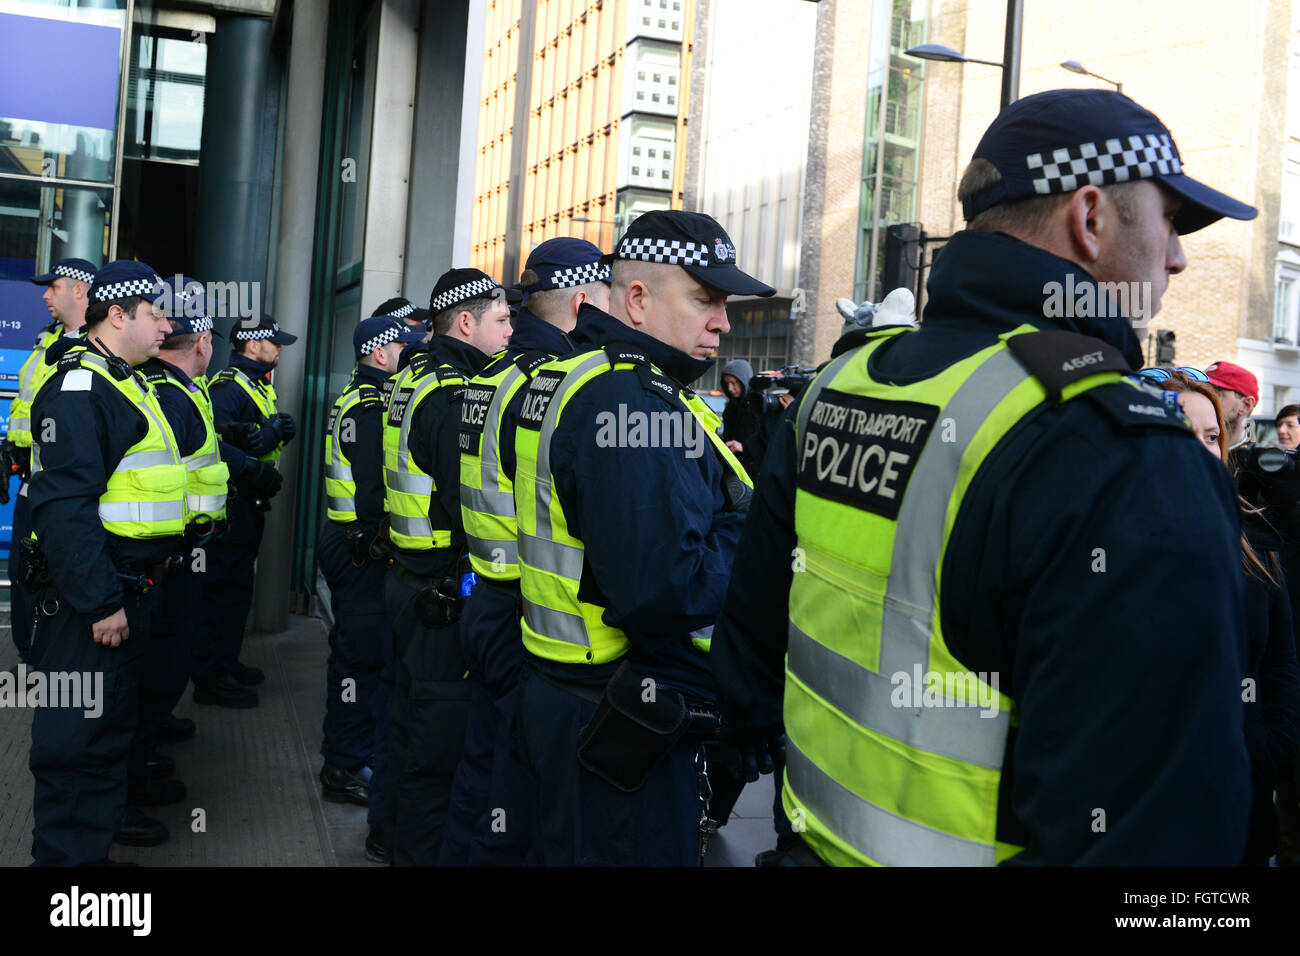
1081,361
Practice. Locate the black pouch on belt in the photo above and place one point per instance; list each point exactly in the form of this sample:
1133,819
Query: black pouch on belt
635,725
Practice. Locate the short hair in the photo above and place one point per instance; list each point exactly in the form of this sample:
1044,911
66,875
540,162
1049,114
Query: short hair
97,312
475,306
1287,411
1030,214
546,303
180,343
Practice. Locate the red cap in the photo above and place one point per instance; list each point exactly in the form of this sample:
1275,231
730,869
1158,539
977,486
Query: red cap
1234,378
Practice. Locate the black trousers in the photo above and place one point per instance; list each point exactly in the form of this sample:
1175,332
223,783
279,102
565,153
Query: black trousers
79,759
580,819
165,669
227,592
488,824
427,723
354,694
20,602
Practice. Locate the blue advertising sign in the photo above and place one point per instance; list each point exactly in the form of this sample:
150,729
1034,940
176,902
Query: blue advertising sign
81,92
22,316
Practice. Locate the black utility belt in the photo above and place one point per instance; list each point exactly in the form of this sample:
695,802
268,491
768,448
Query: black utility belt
637,723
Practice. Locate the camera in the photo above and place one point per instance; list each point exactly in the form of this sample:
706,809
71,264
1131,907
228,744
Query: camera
770,386
1269,477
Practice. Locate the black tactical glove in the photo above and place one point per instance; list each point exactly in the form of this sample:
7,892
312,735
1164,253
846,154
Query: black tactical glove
242,435
8,468
745,755
737,493
261,480
284,427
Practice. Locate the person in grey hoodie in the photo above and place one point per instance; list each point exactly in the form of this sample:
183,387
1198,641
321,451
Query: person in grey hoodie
742,420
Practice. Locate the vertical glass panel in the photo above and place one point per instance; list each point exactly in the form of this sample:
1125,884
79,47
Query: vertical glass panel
164,106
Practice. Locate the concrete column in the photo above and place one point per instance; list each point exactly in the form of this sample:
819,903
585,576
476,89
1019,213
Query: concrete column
383,251
301,157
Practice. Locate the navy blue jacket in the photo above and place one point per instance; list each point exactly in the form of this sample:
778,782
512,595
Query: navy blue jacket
182,414
435,446
1127,682
654,523
230,403
92,428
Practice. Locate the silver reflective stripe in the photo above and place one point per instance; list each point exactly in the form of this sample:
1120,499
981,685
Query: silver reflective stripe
494,552
954,731
20,424
205,503
408,483
144,512
195,462
488,501
551,556
338,472
342,504
918,537
558,625
873,831
411,527
490,451
145,459
702,634
544,490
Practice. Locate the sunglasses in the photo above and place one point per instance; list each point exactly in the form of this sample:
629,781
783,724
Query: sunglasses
1164,374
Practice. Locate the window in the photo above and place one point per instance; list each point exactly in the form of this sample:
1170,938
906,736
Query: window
636,170
1289,218
663,174
636,151
654,97
1284,305
656,77
1293,97
672,100
672,80
650,152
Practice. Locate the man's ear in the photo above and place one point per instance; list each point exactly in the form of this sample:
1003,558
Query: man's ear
1088,217
465,322
637,299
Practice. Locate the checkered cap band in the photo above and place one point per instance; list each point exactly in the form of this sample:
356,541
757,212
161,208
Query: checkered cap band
121,290
675,252
461,292
403,311
1100,164
73,273
201,324
578,275
377,341
247,335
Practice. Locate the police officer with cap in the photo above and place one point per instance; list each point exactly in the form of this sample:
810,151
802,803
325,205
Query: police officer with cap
243,406
560,275
67,286
356,705
177,375
108,512
407,312
471,321
629,507
981,516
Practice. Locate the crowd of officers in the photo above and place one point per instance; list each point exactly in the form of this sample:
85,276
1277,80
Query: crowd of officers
568,628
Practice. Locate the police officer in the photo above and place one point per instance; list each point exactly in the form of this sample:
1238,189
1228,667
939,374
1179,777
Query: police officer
177,376
243,406
488,820
629,507
422,594
108,510
962,542
355,704
406,312
66,287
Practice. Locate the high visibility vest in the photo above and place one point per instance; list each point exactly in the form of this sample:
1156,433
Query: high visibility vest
558,625
145,494
340,487
263,395
409,493
31,377
208,477
891,759
487,497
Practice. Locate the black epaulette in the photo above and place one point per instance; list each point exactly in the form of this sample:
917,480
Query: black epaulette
530,362
1132,403
447,373
68,361
1059,359
370,395
154,375
227,374
651,380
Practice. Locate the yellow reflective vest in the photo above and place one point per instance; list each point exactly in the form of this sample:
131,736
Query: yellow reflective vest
208,477
31,377
263,395
340,487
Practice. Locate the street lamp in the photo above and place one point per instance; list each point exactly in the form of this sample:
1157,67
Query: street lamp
1010,63
1074,66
